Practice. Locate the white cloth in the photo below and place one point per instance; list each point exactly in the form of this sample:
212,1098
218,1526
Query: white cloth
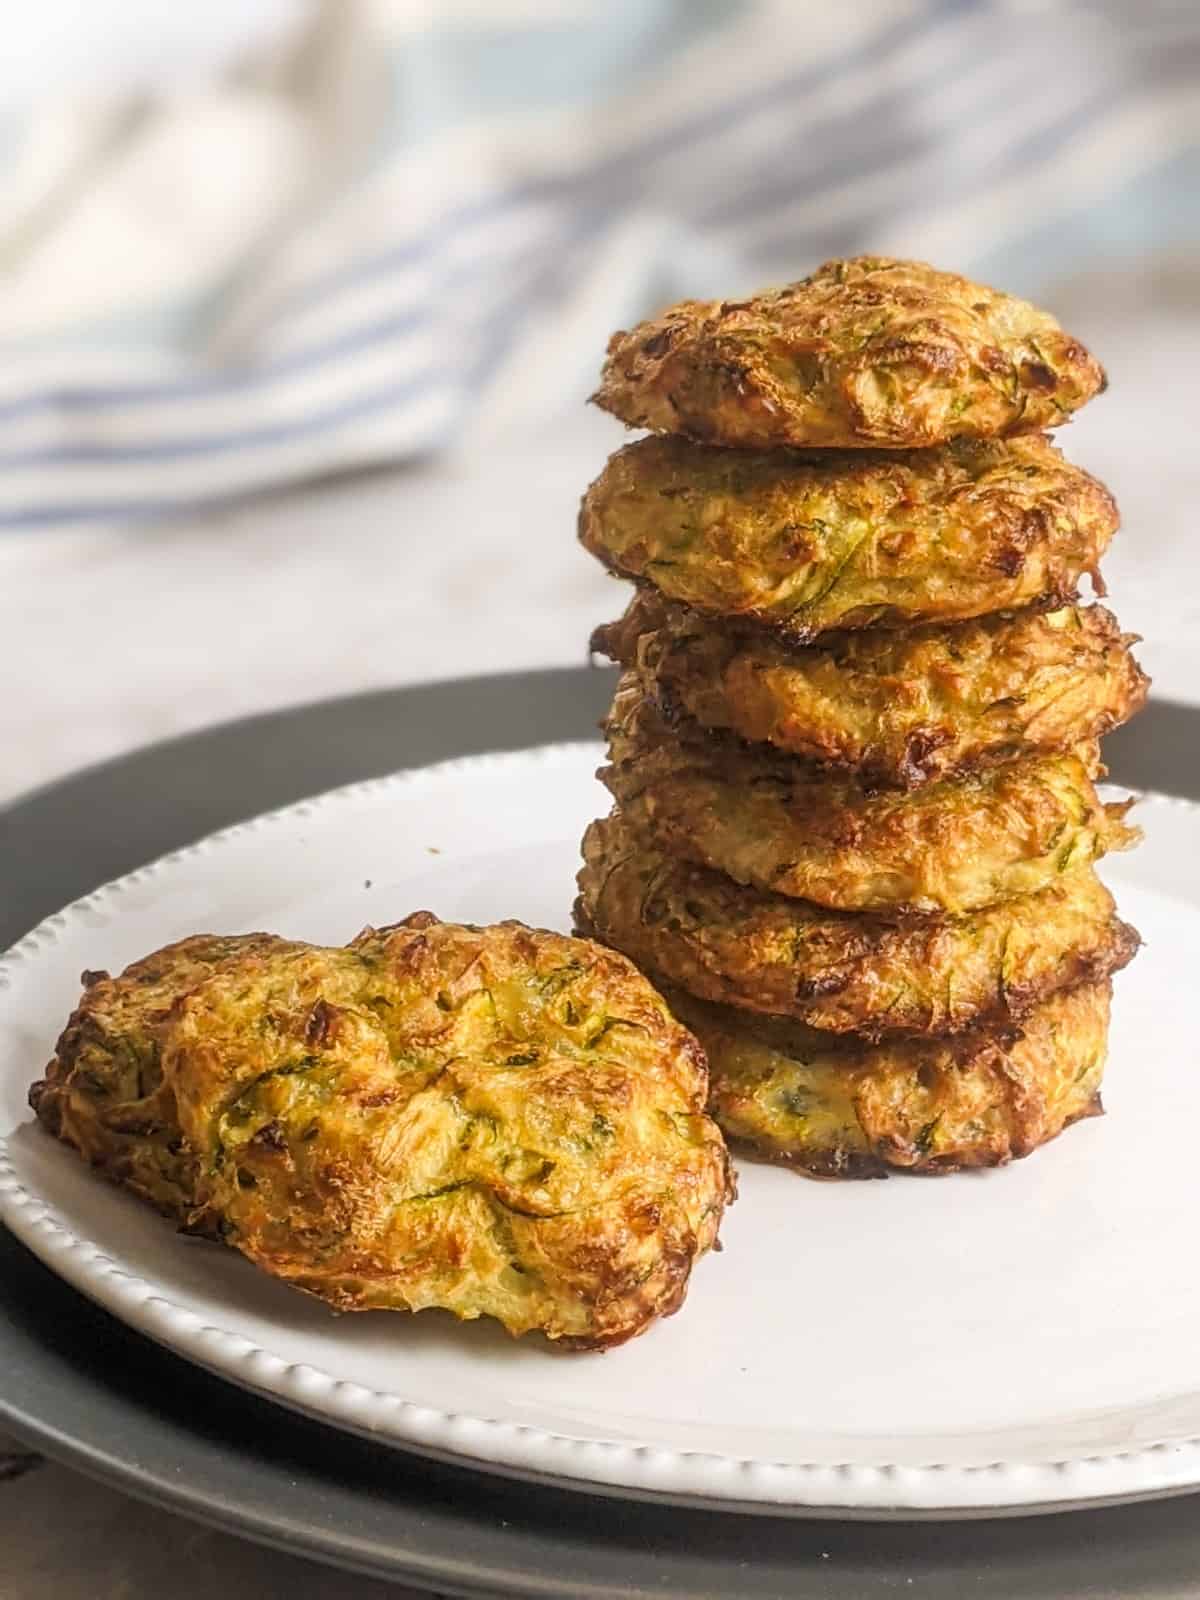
410,226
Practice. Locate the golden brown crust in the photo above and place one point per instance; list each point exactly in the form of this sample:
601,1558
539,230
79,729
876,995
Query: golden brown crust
806,544
499,1121
781,825
901,708
104,1091
866,352
842,971
835,1107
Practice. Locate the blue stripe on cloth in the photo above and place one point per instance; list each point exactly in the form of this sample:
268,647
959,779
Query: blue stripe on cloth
370,336
206,385
122,511
240,379
378,399
1023,155
425,248
835,160
631,160
1156,210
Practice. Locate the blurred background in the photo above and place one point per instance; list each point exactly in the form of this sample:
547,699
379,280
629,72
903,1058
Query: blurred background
301,302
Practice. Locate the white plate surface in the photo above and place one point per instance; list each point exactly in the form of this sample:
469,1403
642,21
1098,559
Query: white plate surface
1020,1338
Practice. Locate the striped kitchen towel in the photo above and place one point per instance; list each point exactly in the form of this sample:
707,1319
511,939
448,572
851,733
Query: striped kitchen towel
410,228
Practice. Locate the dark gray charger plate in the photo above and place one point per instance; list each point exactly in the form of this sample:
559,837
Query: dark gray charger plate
80,1386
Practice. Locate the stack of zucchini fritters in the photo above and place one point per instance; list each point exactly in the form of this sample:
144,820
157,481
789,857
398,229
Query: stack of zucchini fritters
854,746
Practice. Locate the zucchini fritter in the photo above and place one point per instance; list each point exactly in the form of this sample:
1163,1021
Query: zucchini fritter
869,351
843,971
780,824
807,543
104,1092
902,707
499,1121
835,1107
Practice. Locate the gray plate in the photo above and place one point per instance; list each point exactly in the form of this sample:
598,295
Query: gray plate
80,1386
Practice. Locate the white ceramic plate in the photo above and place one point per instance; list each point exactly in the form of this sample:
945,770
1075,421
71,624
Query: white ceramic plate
1022,1338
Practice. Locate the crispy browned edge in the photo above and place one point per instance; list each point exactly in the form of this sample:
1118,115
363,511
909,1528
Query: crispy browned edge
919,766
1010,1008
835,1169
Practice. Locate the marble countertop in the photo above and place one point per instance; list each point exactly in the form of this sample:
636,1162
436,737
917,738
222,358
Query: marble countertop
468,565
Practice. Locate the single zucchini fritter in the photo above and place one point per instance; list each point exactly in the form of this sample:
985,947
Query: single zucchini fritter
900,708
807,543
780,824
499,1121
847,972
870,351
835,1107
